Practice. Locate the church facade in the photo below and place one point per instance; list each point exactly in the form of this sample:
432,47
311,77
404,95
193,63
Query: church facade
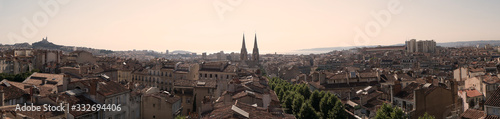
253,61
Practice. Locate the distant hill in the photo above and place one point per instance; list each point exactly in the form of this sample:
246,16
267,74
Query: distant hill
45,44
180,52
481,43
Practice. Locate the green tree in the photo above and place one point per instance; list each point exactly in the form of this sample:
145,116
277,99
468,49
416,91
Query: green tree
180,117
304,90
325,105
297,103
315,99
287,103
426,116
338,111
297,99
397,113
307,112
388,112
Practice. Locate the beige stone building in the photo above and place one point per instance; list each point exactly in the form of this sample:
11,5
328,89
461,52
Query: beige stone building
163,75
193,91
160,105
81,57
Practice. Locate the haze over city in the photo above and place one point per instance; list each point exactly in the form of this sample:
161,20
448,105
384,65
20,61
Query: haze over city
218,25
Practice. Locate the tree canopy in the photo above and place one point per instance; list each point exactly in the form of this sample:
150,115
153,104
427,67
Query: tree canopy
426,116
297,99
389,112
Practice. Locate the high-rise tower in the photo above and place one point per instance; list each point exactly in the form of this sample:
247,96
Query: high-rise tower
255,53
243,53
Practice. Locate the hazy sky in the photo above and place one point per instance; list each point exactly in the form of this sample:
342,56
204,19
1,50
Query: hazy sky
215,25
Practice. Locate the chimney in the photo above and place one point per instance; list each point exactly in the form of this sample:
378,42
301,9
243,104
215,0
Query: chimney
93,87
66,80
322,77
397,87
2,97
44,80
266,99
231,87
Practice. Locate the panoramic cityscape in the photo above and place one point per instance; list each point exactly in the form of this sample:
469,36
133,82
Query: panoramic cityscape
238,59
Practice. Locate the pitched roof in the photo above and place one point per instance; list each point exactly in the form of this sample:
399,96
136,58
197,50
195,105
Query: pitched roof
471,92
73,100
494,99
163,95
472,114
32,114
491,117
106,87
244,110
407,92
11,92
36,79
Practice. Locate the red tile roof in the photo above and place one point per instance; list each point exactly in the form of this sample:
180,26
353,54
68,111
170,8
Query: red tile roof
11,92
471,92
73,100
472,114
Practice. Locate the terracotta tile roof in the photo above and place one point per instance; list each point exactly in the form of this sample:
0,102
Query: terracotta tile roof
476,69
494,99
247,93
110,88
11,92
36,79
228,112
73,100
106,87
472,114
339,76
43,89
407,92
34,114
471,92
168,98
368,74
373,105
491,79
405,77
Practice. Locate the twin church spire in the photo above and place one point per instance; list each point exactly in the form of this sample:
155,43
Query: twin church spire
255,53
